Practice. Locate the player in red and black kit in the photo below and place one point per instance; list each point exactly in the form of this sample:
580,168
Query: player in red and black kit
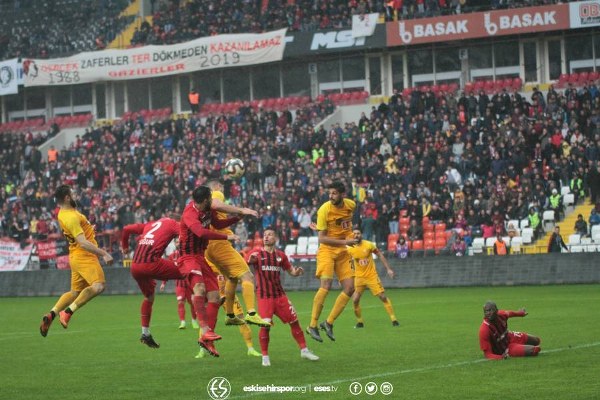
148,264
193,239
183,293
497,342
268,263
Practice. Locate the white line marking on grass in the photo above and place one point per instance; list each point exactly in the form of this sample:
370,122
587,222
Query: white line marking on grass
423,369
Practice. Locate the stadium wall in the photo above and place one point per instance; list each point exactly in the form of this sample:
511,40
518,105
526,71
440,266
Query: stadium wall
439,271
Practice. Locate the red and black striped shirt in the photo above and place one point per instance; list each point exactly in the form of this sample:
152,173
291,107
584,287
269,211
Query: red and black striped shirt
493,335
154,237
268,267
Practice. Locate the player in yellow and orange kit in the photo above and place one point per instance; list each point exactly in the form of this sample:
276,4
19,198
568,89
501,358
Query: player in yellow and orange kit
87,276
366,276
232,265
334,224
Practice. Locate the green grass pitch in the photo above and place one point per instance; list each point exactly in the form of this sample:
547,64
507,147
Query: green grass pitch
434,354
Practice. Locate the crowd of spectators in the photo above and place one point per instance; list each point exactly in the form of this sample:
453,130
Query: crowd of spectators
175,21
469,161
54,28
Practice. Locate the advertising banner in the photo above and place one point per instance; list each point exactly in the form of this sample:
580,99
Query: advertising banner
334,41
152,61
12,256
478,25
364,24
584,14
9,72
53,254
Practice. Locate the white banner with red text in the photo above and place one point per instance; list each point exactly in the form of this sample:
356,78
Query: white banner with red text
220,51
12,256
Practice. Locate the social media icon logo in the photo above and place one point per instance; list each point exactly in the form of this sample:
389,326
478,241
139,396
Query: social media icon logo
371,388
218,388
355,388
386,388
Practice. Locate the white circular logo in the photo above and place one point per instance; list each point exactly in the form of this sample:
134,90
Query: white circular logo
218,388
386,388
371,388
355,388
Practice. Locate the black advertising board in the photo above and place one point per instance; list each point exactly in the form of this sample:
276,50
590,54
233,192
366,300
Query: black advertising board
332,41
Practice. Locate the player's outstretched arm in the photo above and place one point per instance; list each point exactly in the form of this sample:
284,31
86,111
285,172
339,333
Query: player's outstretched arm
218,205
92,248
385,262
296,271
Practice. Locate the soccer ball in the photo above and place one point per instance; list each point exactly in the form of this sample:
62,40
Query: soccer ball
235,168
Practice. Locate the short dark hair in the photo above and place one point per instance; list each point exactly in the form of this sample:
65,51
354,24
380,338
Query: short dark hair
270,228
201,193
337,185
61,192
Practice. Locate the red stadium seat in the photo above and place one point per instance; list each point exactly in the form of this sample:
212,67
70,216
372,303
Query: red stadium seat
440,243
429,244
453,87
393,236
444,87
429,235
517,83
489,86
479,85
404,221
417,245
440,227
391,245
593,75
583,78
508,83
574,78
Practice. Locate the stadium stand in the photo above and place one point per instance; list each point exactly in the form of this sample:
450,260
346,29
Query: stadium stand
58,28
414,157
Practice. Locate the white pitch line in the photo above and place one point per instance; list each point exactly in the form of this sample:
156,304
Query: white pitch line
423,369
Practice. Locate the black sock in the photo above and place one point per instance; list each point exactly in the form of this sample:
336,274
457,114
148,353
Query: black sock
68,310
231,315
252,313
53,314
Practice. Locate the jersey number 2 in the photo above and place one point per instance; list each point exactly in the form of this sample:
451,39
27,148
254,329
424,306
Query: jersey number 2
155,226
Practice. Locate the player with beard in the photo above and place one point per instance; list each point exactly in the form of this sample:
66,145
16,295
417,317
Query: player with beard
334,224
497,342
87,276
193,240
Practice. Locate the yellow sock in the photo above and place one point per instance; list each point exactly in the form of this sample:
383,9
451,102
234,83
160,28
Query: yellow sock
247,335
63,302
358,312
387,304
248,295
229,295
338,307
318,302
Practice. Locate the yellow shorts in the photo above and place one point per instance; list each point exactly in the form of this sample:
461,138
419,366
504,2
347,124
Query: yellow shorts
85,271
334,259
237,307
372,282
221,254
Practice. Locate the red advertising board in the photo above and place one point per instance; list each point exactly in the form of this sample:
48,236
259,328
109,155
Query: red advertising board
478,25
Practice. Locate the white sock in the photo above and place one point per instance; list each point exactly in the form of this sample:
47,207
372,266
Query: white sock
145,330
266,358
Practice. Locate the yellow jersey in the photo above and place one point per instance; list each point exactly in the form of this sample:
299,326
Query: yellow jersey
337,221
73,223
362,254
216,194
